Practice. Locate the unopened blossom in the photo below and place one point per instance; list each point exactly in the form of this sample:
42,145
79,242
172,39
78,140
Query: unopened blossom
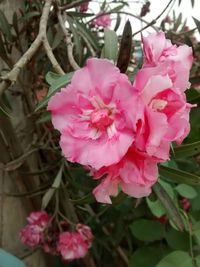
72,246
84,7
169,59
134,174
185,203
102,20
96,114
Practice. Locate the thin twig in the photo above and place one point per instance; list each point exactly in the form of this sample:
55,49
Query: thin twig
105,230
68,41
124,13
154,20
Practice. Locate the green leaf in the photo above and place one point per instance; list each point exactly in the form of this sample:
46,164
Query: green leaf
8,260
186,191
5,26
178,22
192,3
30,15
195,202
179,176
57,39
110,44
188,150
147,230
125,48
197,22
156,207
77,41
198,261
60,82
168,203
177,240
118,21
55,86
49,194
15,23
176,259
147,257
167,187
196,231
45,117
51,77
88,35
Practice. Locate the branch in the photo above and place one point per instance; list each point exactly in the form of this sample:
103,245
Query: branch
73,4
155,20
41,38
52,58
125,13
68,41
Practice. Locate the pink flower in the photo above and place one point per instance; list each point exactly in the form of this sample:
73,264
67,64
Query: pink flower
84,7
72,246
135,174
159,51
166,114
102,20
96,115
40,218
85,233
31,235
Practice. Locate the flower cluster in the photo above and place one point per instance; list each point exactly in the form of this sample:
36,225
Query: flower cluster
41,231
119,130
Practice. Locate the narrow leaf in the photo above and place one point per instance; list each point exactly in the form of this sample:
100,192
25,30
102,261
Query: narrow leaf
179,176
197,22
125,48
49,194
110,45
88,34
5,26
168,203
55,86
188,150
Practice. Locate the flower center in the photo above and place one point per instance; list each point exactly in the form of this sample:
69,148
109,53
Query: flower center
101,119
158,104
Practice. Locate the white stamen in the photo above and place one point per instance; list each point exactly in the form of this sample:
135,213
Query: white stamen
111,130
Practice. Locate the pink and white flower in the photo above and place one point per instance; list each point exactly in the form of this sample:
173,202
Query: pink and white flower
134,174
31,235
166,114
72,246
40,218
102,20
96,115
86,233
170,59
